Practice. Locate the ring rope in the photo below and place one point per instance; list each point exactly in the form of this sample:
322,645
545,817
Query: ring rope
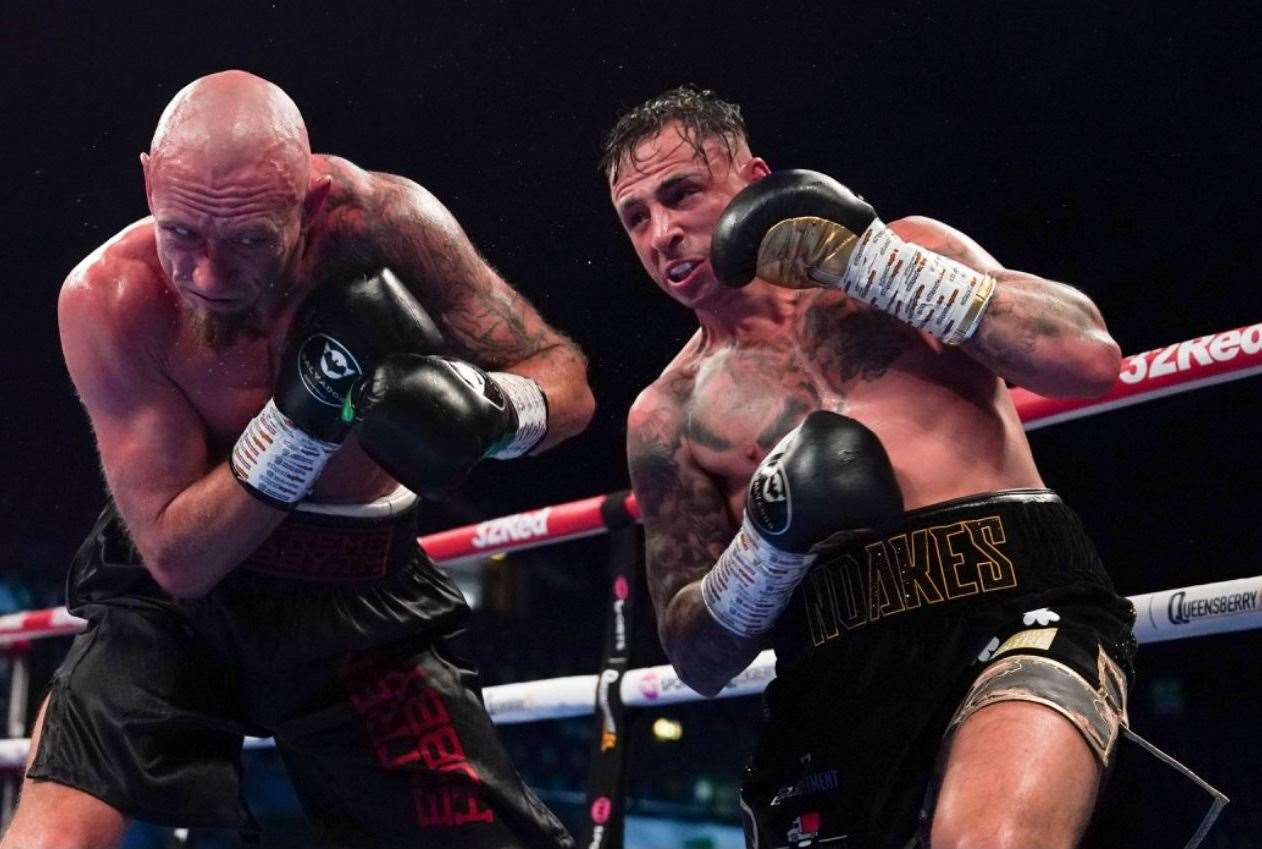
1215,608
1220,607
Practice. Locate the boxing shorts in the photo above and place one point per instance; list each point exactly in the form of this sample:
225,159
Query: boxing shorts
893,640
333,638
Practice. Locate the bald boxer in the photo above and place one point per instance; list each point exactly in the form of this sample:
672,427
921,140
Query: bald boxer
833,467
264,358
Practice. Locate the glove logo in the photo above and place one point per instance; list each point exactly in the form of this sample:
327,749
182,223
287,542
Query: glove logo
476,379
334,363
769,493
327,369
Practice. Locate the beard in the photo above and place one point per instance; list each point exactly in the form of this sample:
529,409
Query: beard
220,331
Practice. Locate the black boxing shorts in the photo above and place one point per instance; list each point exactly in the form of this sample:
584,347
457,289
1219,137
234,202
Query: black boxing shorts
333,639
892,640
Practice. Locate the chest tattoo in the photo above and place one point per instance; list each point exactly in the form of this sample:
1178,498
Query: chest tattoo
852,346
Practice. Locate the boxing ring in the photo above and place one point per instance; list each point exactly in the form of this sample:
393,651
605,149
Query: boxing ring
1171,614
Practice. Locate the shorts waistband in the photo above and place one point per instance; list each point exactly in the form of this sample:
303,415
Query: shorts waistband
337,547
1025,495
942,558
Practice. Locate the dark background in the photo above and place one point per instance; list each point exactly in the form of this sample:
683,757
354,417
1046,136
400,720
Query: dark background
1115,149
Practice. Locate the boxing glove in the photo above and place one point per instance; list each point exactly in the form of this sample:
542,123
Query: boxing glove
800,229
339,334
828,475
428,420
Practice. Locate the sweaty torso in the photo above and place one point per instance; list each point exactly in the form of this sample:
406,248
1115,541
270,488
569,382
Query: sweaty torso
227,387
948,424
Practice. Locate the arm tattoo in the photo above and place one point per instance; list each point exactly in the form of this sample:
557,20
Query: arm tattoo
685,518
1022,318
484,319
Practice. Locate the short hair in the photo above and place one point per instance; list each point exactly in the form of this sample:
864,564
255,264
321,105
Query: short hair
700,113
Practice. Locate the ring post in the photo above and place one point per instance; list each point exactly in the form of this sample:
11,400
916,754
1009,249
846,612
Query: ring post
605,810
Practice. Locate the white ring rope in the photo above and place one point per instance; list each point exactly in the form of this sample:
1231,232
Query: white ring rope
1221,607
1177,614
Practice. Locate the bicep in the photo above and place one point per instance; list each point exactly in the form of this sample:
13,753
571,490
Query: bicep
686,526
482,317
151,441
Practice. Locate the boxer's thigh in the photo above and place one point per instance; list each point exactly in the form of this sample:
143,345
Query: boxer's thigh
404,753
51,814
1016,773
140,716
1025,752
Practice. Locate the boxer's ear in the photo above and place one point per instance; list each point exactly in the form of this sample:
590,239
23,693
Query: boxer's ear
754,168
316,195
144,167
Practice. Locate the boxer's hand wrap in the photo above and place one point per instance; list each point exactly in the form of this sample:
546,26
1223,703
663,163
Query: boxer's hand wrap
751,582
829,475
339,333
276,461
530,408
927,290
800,229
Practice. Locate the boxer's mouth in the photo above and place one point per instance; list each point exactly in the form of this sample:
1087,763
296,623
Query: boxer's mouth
678,272
223,304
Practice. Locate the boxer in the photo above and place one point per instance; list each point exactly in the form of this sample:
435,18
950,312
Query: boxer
833,466
284,341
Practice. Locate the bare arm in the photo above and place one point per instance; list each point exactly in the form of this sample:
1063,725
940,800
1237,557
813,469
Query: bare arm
1045,336
686,528
190,520
485,319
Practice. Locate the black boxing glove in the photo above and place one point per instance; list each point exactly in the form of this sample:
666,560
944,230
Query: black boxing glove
429,420
339,334
801,229
829,475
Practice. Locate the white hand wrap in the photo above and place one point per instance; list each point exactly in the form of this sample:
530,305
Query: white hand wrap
751,583
926,290
276,459
532,413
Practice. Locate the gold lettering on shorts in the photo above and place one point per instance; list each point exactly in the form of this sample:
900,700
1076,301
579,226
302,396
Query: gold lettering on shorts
821,606
912,557
854,611
926,566
996,572
947,539
885,590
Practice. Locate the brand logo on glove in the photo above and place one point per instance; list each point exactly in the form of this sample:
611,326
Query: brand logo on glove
334,363
475,378
773,510
327,369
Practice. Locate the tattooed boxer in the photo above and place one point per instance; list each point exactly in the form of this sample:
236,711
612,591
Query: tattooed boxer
833,467
265,358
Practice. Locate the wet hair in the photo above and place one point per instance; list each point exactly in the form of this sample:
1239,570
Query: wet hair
700,113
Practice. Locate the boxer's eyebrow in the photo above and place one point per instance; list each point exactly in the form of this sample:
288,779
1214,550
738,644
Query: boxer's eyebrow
251,228
663,190
669,188
670,184
626,203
